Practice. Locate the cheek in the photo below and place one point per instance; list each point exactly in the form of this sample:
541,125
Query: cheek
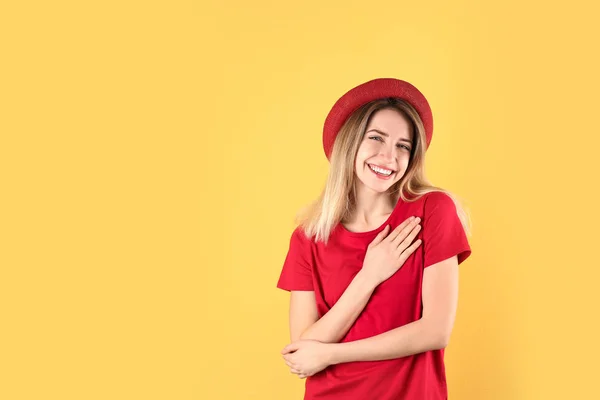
365,151
361,156
405,160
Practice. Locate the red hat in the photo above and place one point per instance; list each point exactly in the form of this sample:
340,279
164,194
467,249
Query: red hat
372,90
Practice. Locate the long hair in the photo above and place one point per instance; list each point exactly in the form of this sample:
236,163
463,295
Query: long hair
337,201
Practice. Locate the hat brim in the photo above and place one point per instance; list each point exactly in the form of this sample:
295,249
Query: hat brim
369,91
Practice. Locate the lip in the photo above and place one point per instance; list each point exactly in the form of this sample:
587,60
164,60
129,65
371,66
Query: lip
381,176
381,166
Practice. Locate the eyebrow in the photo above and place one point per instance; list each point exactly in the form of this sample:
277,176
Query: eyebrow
385,134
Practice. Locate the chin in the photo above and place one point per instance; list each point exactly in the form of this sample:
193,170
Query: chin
380,187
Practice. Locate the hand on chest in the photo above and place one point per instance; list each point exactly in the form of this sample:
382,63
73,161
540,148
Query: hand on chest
337,268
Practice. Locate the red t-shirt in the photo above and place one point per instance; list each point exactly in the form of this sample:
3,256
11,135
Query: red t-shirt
328,270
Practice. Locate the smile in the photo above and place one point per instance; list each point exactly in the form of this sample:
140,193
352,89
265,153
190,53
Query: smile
382,172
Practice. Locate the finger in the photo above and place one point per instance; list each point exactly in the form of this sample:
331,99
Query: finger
380,236
406,253
289,364
413,231
301,376
295,369
405,224
404,245
402,231
409,239
289,348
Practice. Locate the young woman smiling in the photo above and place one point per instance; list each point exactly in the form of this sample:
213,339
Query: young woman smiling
372,266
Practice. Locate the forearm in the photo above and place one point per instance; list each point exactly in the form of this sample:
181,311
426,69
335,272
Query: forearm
413,338
334,325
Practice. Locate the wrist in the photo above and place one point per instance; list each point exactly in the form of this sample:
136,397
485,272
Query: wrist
338,353
333,356
364,280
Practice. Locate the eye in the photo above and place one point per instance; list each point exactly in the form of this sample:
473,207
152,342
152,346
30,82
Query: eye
376,137
406,147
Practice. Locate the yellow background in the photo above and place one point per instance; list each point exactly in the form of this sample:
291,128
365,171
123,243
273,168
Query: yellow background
153,155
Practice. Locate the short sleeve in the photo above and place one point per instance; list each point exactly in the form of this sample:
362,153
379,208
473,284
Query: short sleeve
443,233
296,273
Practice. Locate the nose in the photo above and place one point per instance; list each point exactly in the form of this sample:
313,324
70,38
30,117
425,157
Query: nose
387,152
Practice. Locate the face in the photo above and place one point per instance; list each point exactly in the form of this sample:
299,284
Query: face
386,146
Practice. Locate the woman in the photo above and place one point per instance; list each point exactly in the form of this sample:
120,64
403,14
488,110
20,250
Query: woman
373,291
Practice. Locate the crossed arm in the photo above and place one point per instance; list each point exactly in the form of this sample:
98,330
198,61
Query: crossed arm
432,331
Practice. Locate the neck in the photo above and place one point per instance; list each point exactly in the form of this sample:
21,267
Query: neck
371,206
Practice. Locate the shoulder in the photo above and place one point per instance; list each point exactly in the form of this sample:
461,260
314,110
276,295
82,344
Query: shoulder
438,202
432,199
437,198
299,237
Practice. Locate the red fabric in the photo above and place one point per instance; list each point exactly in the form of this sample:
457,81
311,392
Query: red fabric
328,270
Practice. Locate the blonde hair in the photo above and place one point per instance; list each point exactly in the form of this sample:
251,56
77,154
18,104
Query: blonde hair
337,201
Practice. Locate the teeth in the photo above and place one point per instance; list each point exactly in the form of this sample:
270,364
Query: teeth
380,170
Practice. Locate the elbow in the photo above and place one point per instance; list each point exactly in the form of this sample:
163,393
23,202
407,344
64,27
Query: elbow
439,336
323,338
441,341
306,335
442,338
295,336
300,335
